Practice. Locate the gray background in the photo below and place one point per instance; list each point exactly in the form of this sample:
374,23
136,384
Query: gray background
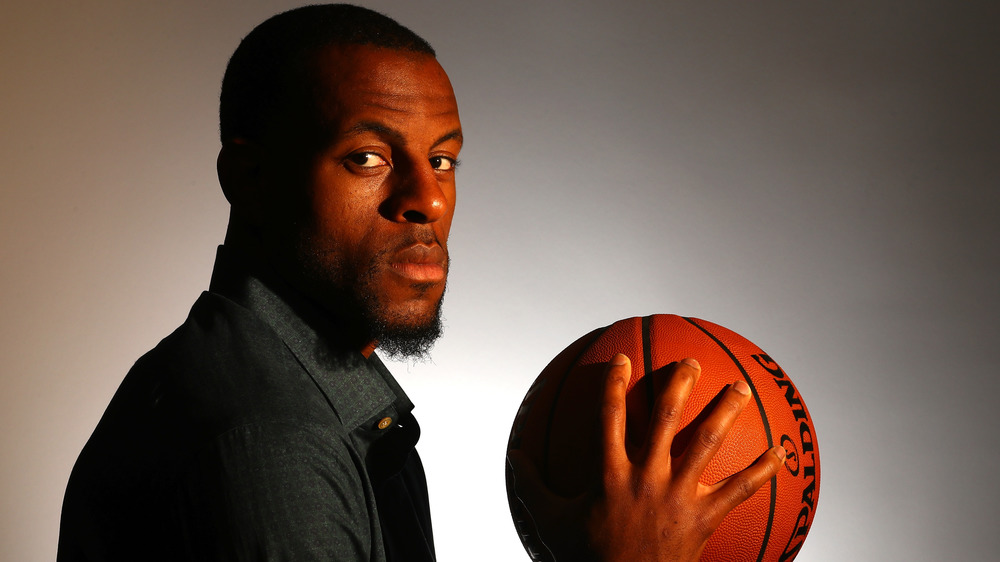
819,176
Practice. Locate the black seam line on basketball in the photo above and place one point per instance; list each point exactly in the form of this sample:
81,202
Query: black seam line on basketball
767,430
555,399
647,362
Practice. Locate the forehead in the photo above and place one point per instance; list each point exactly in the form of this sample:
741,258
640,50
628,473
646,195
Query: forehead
355,82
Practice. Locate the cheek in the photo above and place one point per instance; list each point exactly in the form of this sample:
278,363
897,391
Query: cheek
337,199
340,219
445,221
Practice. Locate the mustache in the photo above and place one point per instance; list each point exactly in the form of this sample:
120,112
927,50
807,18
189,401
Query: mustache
422,246
417,238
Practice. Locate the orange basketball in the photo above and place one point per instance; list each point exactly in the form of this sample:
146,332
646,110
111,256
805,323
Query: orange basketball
556,423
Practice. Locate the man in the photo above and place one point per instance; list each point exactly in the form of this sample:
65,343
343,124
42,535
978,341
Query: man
265,427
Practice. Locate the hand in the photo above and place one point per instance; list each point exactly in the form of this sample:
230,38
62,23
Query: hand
647,504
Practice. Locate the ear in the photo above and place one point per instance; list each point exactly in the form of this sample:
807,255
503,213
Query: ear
239,166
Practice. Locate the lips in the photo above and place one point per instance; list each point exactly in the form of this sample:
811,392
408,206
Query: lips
421,263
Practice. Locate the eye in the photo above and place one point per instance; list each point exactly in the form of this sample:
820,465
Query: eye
367,160
443,163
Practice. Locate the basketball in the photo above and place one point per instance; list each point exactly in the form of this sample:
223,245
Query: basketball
555,427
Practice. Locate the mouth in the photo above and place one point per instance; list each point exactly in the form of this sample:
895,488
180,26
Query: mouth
421,264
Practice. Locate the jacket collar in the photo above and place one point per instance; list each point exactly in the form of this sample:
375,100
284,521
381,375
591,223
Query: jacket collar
360,390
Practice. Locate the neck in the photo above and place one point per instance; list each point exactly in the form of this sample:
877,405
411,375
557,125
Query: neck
247,241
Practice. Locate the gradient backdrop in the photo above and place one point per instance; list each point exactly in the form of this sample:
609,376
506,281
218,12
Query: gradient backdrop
819,176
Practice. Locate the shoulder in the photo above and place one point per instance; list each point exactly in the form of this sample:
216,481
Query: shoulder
220,427
222,370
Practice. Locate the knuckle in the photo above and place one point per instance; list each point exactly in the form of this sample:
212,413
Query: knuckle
685,373
615,384
704,524
646,488
710,439
770,469
667,414
614,480
732,405
613,411
743,488
676,508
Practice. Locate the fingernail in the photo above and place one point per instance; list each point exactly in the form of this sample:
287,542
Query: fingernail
741,387
691,363
619,359
780,451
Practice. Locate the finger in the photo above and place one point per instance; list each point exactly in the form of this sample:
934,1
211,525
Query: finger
617,375
667,412
732,491
708,436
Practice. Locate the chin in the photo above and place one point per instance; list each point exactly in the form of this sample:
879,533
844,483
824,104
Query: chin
416,305
412,316
409,340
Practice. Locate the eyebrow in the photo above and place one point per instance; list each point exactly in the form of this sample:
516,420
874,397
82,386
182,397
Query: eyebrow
453,135
362,127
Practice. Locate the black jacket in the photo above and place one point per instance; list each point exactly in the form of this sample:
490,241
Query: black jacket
248,434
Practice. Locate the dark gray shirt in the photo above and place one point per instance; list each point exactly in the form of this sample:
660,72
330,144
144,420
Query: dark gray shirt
249,434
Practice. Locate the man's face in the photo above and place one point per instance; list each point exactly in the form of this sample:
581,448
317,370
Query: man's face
366,225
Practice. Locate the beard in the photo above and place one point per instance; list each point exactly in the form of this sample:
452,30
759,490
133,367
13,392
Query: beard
397,339
351,291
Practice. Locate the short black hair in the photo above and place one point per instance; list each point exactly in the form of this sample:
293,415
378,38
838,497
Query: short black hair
278,53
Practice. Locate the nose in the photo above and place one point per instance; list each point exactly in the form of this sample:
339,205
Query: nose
417,196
